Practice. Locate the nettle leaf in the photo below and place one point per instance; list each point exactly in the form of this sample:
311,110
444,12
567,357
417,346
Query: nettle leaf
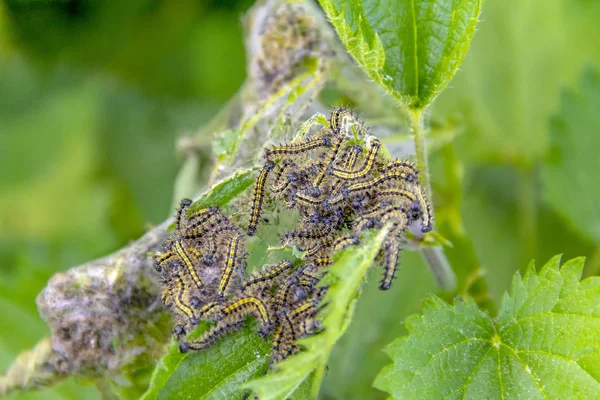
570,175
410,47
544,344
344,280
214,373
226,190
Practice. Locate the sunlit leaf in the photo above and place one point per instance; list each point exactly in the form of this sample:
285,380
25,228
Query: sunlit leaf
214,373
410,47
543,344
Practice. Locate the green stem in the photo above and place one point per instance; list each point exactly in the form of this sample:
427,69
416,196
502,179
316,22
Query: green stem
434,256
440,267
418,131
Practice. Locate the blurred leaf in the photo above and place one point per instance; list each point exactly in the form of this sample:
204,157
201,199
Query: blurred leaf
462,255
489,213
554,234
411,48
58,132
510,81
344,280
214,373
542,345
570,176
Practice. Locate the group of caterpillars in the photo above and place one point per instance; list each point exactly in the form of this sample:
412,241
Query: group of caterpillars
203,274
339,190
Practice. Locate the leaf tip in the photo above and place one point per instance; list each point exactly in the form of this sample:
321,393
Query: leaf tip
573,267
554,262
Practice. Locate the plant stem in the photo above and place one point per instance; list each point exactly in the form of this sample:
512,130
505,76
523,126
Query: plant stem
440,267
434,256
418,131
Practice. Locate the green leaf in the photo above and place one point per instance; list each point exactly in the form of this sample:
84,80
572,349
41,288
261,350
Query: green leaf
344,281
570,175
542,345
225,191
214,373
412,48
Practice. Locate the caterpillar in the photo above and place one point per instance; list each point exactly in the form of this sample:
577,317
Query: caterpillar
257,199
296,149
230,263
181,252
269,274
367,166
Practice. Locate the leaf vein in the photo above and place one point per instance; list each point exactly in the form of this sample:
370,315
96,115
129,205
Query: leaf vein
470,377
416,54
436,355
508,327
526,368
560,356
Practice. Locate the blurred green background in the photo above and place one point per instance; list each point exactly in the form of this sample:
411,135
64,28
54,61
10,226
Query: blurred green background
93,95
